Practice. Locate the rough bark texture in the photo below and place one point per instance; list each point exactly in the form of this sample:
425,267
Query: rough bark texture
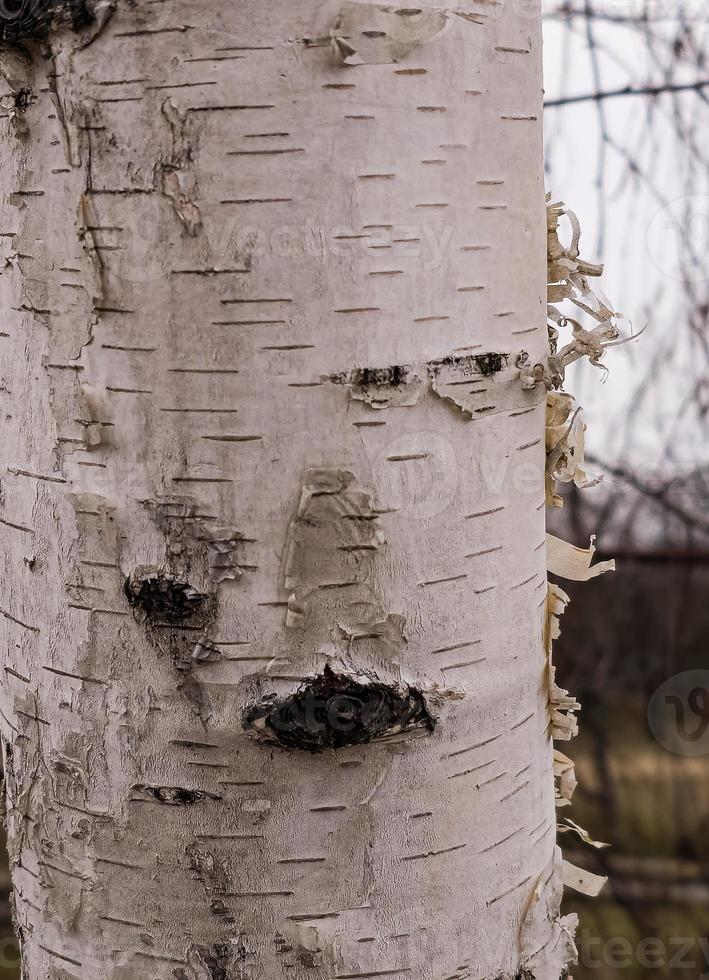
270,484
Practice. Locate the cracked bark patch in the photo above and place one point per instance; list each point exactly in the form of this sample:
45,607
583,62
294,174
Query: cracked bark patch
176,618
219,959
333,711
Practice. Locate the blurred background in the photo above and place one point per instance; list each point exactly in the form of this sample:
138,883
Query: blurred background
627,148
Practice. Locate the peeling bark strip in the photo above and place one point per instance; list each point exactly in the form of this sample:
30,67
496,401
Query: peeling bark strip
333,711
174,176
566,275
372,381
378,34
330,547
24,20
456,379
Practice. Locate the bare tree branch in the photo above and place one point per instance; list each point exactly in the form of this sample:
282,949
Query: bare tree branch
627,90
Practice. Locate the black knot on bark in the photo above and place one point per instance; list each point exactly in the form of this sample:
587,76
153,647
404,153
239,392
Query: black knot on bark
24,99
26,20
333,711
161,599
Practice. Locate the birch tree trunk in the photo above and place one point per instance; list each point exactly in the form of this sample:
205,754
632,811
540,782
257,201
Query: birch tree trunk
273,570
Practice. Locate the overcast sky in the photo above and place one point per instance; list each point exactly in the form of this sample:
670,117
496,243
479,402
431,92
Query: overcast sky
642,196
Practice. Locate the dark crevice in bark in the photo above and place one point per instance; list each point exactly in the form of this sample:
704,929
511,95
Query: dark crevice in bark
161,599
333,711
176,795
375,384
27,20
397,374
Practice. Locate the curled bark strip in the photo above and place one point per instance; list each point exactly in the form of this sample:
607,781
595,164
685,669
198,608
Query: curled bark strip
334,710
568,280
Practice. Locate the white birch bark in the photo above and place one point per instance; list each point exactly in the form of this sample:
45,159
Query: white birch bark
252,255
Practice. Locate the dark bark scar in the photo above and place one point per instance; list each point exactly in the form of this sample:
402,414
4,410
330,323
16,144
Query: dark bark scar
162,599
333,711
176,795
